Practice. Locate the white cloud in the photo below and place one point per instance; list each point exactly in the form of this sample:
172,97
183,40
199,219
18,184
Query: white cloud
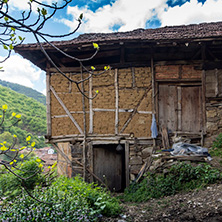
19,70
133,14
130,13
192,12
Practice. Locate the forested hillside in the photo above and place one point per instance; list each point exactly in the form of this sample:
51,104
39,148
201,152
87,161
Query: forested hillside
25,90
33,120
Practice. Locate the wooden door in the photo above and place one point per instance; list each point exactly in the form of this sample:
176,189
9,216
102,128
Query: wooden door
180,107
108,165
168,106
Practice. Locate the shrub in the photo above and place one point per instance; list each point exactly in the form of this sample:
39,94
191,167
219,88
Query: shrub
10,185
69,199
217,146
181,177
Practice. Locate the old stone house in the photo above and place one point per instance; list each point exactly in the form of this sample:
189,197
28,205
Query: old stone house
172,74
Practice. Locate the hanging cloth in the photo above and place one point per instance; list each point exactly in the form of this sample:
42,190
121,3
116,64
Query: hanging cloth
154,127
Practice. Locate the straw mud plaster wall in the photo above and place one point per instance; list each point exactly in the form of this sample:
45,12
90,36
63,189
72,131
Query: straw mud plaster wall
134,92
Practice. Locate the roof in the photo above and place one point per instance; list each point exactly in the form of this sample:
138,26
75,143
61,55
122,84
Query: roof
183,32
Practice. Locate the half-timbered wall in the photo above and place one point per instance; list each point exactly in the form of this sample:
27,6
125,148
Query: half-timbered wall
122,106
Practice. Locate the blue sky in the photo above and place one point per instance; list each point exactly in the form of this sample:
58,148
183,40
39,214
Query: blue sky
109,16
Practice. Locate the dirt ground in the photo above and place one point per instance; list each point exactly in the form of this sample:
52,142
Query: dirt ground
200,205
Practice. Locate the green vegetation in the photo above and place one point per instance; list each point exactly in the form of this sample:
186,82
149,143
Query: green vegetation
181,177
11,185
67,200
33,117
25,91
216,149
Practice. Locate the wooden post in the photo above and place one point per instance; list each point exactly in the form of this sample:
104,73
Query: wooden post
117,103
90,106
84,127
48,105
127,162
204,101
153,93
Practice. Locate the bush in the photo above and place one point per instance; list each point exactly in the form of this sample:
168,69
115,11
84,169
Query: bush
217,146
68,200
181,177
11,185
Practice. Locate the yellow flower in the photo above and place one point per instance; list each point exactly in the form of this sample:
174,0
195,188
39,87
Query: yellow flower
28,138
13,150
54,164
4,107
15,161
4,142
13,114
97,91
18,116
93,68
3,148
38,160
106,68
22,156
95,45
14,136
32,144
40,165
11,163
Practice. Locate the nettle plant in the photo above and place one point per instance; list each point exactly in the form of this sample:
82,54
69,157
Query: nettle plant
19,162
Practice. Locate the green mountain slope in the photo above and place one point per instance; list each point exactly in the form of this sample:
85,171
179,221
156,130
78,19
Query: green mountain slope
25,90
33,120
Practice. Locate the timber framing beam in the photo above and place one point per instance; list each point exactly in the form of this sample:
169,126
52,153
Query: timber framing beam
66,110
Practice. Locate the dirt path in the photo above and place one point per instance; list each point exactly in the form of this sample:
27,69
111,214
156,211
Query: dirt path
203,205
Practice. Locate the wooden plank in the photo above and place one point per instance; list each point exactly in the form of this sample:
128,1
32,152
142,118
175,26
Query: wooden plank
90,106
48,105
116,102
179,109
153,92
66,110
127,163
133,77
167,108
191,105
204,101
90,156
216,83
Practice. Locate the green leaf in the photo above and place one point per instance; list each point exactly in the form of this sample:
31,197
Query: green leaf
44,12
13,29
81,16
11,46
5,47
6,18
20,38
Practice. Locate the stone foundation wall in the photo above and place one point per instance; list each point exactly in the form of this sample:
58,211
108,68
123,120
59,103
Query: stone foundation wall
138,155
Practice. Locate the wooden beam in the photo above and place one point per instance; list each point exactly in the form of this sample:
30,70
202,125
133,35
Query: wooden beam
66,110
133,77
48,105
204,100
117,102
127,163
90,106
